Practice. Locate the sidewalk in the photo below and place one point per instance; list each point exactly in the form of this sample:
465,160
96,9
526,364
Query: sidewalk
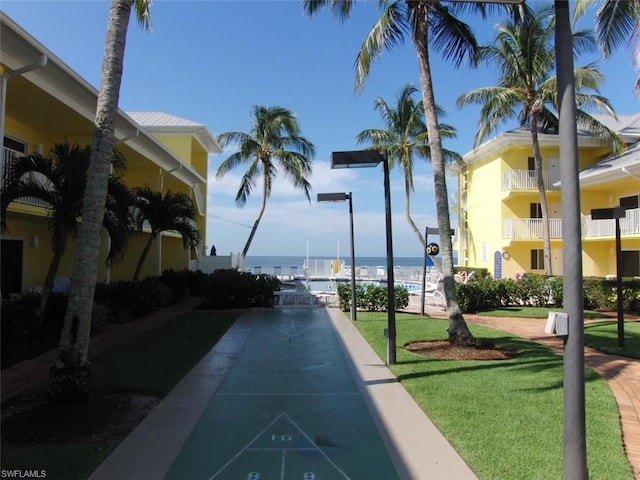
621,373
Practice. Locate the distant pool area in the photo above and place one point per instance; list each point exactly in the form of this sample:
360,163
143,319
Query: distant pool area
316,285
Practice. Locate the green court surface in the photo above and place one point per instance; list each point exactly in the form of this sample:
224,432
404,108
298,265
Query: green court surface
289,409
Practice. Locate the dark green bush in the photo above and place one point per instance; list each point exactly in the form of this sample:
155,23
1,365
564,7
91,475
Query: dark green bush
539,291
233,289
21,330
372,298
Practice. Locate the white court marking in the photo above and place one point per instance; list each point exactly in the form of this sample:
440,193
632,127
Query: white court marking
279,444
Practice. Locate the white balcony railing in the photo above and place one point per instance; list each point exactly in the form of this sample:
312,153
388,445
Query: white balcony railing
526,180
8,157
531,228
629,225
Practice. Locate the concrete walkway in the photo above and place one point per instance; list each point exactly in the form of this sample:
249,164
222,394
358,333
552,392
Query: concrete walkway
215,423
621,373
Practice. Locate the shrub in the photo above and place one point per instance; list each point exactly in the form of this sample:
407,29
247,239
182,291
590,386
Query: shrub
230,288
372,298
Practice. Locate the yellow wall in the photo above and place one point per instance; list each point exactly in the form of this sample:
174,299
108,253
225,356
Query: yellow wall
487,206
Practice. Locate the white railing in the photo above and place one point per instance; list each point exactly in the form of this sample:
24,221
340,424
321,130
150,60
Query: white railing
526,180
8,157
629,225
530,228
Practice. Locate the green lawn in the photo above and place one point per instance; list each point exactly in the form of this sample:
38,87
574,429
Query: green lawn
151,364
603,336
504,417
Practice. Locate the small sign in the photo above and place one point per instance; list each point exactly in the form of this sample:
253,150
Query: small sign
557,324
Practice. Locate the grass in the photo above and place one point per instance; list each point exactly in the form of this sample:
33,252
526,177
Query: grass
603,336
150,364
503,417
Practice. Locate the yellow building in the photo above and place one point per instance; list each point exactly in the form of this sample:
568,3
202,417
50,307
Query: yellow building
46,102
500,228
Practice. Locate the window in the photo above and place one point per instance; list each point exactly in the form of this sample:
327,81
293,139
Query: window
531,165
537,259
535,210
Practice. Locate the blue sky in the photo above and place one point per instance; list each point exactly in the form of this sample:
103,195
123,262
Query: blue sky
211,61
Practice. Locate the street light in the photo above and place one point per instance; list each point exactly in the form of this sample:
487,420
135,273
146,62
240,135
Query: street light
341,197
371,158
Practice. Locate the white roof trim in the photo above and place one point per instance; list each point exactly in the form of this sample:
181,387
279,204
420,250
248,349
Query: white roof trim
59,80
167,124
612,168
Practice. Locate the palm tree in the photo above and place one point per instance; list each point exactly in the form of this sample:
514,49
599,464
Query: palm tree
405,138
173,212
58,180
617,22
419,19
274,145
71,372
525,56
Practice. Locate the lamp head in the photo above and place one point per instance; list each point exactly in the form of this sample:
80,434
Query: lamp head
356,159
333,197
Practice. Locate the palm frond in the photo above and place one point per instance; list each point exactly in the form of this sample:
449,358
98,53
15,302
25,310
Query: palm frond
143,13
387,32
340,9
453,38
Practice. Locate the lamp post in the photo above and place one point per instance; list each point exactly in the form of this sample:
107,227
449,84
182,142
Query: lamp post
371,158
341,197
615,213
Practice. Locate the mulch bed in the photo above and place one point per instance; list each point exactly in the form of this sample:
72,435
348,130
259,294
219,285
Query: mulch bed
443,350
105,416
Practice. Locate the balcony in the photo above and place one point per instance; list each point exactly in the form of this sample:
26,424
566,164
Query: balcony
629,225
526,180
8,157
531,228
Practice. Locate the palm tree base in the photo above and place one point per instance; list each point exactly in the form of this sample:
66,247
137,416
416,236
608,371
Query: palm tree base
459,333
69,384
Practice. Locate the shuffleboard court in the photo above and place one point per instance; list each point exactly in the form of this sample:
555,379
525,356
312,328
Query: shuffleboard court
289,409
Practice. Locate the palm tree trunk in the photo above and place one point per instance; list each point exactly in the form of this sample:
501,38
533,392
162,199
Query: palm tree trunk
458,330
48,282
245,250
70,375
407,209
143,256
537,160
